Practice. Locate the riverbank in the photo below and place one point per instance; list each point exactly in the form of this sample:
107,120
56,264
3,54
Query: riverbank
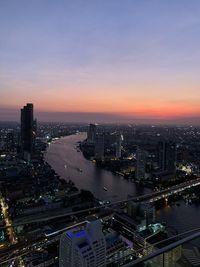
64,152
64,158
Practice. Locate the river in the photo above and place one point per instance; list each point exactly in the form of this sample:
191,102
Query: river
64,158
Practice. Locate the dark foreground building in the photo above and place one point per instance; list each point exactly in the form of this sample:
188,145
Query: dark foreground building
27,133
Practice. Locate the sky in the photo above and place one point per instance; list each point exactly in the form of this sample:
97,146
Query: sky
101,60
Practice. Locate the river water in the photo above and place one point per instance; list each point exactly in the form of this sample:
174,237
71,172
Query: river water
64,158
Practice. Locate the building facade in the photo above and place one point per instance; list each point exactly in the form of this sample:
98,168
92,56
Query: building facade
85,247
27,127
99,147
141,164
167,157
91,134
118,145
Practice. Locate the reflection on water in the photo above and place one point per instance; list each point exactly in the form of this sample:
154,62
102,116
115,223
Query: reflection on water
182,218
62,155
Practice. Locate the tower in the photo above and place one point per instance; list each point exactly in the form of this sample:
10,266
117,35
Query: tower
83,247
141,164
99,147
27,131
167,156
118,152
91,134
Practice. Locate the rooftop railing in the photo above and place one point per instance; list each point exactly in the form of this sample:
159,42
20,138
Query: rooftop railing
181,253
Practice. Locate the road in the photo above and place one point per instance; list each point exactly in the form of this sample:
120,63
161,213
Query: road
16,249
9,228
8,221
151,197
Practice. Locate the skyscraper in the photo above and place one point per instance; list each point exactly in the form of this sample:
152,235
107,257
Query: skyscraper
99,146
167,156
141,164
118,152
27,131
83,247
91,134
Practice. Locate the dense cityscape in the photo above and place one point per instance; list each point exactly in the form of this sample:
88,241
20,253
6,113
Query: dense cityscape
99,133
48,219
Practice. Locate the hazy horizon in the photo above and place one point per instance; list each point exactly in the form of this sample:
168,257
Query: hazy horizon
13,115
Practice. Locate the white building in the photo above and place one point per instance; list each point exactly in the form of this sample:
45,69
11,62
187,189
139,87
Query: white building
84,247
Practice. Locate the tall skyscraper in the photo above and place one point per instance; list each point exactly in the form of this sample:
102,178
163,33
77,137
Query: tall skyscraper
99,147
27,131
118,152
141,164
91,134
167,156
84,247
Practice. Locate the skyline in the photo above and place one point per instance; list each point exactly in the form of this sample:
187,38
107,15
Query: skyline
86,117
107,61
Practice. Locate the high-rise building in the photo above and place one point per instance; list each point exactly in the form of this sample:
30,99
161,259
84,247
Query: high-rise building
167,156
83,247
99,147
142,211
91,134
27,131
118,151
141,164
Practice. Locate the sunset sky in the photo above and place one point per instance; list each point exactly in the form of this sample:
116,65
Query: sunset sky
120,59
